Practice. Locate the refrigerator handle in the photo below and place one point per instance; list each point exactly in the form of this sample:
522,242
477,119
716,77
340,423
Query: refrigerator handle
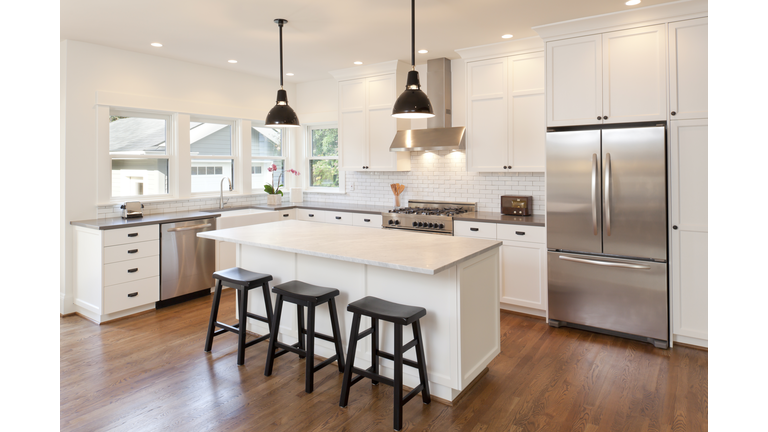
607,193
594,193
604,263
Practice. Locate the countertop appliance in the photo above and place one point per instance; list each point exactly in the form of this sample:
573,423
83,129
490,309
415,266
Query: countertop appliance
607,230
426,216
132,209
516,205
187,262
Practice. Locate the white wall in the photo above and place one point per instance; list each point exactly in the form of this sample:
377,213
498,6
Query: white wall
88,70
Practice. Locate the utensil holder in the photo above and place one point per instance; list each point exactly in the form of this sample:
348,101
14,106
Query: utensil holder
397,201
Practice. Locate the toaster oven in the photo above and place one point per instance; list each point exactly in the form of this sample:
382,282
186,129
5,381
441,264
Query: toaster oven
516,205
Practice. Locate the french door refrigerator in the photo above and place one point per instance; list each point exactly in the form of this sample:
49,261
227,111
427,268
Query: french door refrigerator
607,230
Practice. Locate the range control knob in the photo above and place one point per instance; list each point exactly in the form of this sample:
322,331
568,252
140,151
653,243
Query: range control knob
397,222
421,224
391,222
441,226
415,224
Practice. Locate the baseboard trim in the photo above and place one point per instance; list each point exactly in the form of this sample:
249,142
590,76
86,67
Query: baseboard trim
511,312
686,345
61,315
87,318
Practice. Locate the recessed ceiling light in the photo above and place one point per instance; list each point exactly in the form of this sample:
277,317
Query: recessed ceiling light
156,44
232,61
507,36
358,63
632,2
423,51
289,74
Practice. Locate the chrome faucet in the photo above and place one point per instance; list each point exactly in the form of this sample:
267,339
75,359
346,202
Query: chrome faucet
221,191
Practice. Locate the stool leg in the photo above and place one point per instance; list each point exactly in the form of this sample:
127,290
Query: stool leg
214,316
336,334
350,360
425,396
273,335
398,381
243,317
267,305
375,348
302,329
310,363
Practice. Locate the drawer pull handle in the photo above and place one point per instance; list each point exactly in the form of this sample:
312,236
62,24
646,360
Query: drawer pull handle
133,270
133,251
133,235
520,232
286,215
474,229
366,220
311,215
133,294
338,217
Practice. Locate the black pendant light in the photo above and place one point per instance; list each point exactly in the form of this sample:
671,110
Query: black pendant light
413,103
281,115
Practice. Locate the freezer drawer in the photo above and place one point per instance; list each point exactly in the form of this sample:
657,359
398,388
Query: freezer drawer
621,295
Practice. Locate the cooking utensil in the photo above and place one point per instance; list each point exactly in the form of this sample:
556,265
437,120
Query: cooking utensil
397,189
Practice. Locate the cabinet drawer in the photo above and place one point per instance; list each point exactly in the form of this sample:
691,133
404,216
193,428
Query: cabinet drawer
286,214
521,233
131,235
341,218
131,251
474,229
132,294
310,215
131,270
366,220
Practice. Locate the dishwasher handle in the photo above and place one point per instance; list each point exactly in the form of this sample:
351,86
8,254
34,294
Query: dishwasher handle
189,228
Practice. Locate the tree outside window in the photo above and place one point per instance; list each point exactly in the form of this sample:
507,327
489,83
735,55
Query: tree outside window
324,157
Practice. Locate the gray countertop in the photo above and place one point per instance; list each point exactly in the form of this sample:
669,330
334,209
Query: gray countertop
535,220
350,208
114,223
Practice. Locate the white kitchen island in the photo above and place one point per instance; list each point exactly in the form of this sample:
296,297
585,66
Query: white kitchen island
456,279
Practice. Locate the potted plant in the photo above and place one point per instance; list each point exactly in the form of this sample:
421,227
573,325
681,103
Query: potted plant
275,196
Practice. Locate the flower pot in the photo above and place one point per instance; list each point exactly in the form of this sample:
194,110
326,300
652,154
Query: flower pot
274,199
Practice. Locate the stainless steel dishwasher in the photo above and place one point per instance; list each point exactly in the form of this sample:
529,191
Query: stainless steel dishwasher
186,261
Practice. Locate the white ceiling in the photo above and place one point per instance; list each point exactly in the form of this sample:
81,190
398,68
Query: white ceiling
320,35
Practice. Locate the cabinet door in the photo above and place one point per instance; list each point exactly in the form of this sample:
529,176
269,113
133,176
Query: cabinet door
688,77
352,144
381,125
688,205
487,115
634,75
526,113
523,275
574,81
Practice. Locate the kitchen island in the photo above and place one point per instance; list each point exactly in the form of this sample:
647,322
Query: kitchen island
456,279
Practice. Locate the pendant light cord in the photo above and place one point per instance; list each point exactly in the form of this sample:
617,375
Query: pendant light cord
413,34
280,26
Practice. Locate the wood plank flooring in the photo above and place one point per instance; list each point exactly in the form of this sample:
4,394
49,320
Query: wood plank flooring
150,373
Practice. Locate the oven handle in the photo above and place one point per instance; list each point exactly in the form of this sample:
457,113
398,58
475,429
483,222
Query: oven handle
193,227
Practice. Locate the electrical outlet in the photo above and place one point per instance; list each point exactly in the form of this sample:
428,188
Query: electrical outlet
351,186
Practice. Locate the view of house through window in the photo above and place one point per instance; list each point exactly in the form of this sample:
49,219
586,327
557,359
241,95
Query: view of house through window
210,145
137,147
324,157
266,150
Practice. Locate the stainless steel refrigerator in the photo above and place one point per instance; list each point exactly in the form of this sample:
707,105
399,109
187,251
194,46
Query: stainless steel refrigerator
607,230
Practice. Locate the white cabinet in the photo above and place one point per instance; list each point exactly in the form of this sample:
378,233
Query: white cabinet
523,263
311,215
117,271
614,77
226,252
688,77
688,207
366,220
505,113
339,218
366,125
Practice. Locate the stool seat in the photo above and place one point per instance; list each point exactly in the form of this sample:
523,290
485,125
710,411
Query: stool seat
238,276
375,307
305,291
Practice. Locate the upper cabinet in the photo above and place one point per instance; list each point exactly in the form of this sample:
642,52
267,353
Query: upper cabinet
505,113
615,77
688,98
366,125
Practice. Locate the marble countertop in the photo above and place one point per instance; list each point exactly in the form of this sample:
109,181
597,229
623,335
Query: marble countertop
535,220
114,223
402,250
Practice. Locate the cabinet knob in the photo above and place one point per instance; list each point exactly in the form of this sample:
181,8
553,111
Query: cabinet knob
599,118
673,113
505,167
605,117
674,227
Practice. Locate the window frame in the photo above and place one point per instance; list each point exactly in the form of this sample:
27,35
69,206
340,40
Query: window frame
284,137
309,158
170,146
234,155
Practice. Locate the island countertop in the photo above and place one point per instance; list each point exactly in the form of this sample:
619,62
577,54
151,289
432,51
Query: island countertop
409,251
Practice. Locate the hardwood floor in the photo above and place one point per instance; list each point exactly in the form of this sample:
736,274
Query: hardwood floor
150,373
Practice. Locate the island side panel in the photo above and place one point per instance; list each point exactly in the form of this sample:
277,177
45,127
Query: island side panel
479,309
437,294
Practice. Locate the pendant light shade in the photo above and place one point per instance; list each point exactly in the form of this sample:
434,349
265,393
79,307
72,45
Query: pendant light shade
413,103
281,115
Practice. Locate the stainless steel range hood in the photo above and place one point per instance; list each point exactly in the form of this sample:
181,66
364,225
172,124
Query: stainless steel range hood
439,135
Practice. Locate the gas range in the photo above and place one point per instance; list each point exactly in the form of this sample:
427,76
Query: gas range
426,216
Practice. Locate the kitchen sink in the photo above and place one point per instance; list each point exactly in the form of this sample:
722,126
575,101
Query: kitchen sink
238,212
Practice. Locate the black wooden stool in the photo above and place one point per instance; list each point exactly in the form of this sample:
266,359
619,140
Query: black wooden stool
243,281
310,296
378,309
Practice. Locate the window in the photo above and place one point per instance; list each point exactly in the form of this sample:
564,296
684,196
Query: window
210,146
266,150
139,154
323,156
